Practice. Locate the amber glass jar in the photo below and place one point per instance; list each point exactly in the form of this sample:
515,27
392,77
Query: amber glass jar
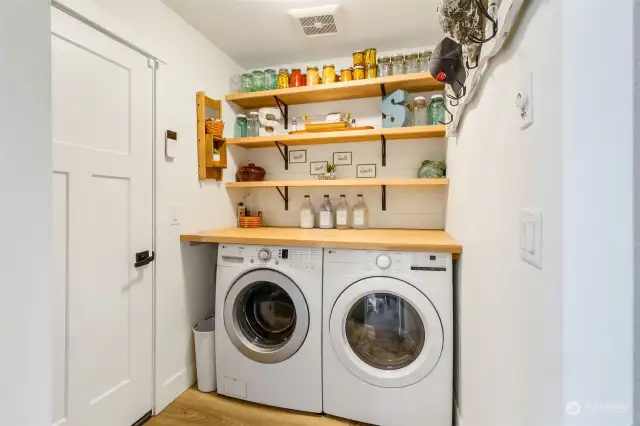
283,78
370,56
372,71
295,78
346,74
328,74
358,73
304,79
358,59
313,76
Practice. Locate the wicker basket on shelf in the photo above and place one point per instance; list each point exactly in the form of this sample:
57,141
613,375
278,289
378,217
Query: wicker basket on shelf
214,127
251,221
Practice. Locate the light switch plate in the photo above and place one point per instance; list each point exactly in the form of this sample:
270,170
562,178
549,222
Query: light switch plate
524,102
176,213
530,234
171,144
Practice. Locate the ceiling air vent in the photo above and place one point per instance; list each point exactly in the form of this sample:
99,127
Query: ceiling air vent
317,21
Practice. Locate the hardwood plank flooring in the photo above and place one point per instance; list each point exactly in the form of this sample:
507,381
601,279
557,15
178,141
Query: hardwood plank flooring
194,408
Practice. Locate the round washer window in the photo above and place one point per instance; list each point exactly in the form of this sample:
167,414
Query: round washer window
266,315
385,331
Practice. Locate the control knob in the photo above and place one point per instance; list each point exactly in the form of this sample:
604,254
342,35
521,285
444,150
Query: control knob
264,255
383,261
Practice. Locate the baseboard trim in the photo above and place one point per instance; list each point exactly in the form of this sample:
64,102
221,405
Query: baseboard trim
173,387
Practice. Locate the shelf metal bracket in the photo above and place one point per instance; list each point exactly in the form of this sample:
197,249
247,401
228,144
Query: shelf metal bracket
383,90
383,140
284,154
284,109
384,198
285,196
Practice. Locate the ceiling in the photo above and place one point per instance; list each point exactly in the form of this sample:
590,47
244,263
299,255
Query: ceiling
259,33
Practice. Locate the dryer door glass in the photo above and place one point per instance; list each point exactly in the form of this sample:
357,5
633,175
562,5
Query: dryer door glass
385,331
266,314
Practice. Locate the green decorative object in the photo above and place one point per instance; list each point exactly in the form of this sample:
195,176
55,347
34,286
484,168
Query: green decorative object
432,169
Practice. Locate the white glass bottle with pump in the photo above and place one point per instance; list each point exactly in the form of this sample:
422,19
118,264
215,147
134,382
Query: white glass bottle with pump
327,219
360,214
307,214
342,213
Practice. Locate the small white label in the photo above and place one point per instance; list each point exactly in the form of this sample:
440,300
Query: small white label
326,220
358,218
306,219
341,218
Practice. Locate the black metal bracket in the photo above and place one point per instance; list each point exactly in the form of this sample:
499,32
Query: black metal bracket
383,90
284,110
284,154
383,139
284,196
384,198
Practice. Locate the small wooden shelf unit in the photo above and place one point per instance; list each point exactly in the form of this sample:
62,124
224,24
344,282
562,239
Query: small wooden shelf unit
207,168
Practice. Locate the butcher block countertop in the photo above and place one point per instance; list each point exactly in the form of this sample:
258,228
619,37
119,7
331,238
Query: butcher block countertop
369,239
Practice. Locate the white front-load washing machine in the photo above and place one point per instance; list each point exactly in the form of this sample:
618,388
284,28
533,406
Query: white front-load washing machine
387,337
269,325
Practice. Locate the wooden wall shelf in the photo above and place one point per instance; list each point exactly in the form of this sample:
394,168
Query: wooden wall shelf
314,183
323,138
207,168
419,82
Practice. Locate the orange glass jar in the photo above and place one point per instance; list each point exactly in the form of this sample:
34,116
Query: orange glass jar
283,78
346,74
370,56
304,79
358,59
295,78
328,74
313,76
372,71
358,73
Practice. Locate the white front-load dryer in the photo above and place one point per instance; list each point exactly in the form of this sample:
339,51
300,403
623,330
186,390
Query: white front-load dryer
269,325
387,337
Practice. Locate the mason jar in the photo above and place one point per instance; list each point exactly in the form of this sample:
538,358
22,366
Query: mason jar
257,78
270,79
411,64
246,83
420,115
423,59
384,66
397,65
436,110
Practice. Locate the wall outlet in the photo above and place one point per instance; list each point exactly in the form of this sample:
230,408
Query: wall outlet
530,234
524,102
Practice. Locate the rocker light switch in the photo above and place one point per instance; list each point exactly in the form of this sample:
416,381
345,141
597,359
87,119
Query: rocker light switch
531,236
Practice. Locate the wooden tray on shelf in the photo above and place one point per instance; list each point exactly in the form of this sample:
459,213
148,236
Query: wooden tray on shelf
342,129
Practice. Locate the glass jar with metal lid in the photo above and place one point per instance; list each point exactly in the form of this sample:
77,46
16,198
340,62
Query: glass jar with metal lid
270,79
358,73
283,78
420,115
240,129
295,78
372,71
384,66
313,76
246,83
328,74
370,56
423,59
358,59
411,64
346,74
397,65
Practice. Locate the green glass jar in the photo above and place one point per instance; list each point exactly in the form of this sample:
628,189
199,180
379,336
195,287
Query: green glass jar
257,77
246,83
270,79
436,110
240,128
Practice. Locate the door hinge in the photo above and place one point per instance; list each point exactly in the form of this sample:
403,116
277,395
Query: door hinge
153,64
144,258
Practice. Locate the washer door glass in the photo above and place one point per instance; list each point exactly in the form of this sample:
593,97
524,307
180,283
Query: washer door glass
385,331
266,316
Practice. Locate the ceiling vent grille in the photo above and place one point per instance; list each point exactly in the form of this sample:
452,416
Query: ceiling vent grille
318,25
316,21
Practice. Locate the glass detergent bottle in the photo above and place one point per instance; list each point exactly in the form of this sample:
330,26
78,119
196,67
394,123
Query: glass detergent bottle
342,213
327,219
360,214
307,214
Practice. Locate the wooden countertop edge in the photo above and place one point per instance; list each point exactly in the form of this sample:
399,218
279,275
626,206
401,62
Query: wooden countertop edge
453,247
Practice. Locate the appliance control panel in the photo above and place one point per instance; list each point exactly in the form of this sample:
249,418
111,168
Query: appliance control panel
387,263
277,257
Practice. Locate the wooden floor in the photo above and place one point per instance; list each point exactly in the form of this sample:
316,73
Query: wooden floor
194,408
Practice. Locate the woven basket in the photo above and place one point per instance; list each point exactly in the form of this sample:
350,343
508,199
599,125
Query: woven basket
215,128
250,221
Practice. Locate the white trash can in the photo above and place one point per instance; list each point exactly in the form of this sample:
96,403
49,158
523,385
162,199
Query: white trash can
204,336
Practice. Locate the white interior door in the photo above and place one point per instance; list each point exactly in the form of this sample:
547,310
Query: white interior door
102,178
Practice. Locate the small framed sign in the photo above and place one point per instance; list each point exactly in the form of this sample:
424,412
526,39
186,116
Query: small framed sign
318,167
299,156
366,171
342,158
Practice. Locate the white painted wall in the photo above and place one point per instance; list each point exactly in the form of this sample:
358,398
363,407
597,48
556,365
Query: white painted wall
597,232
406,208
184,274
26,248
509,336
